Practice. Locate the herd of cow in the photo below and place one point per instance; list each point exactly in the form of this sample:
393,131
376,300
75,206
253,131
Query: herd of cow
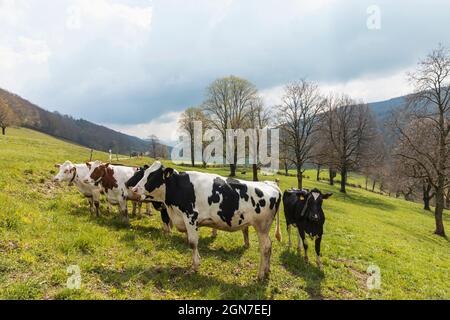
189,200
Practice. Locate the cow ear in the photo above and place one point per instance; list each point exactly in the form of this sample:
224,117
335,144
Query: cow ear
327,195
57,165
88,164
107,165
146,167
168,172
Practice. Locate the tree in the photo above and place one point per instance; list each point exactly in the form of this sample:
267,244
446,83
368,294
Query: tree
350,128
7,117
227,104
186,122
422,128
156,148
297,118
258,118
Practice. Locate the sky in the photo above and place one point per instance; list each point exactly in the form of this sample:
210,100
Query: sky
134,65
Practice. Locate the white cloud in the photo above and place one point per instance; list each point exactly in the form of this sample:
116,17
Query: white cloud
106,12
370,88
164,126
23,56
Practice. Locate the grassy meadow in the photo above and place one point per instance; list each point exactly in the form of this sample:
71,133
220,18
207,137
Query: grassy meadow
45,228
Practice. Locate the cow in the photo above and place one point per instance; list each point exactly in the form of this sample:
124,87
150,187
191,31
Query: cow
74,174
112,179
166,219
195,199
303,209
159,206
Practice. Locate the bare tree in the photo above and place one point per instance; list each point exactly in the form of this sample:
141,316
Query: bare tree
156,148
7,117
298,117
423,127
350,128
227,104
258,118
186,122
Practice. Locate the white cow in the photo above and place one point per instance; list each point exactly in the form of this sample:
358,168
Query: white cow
74,174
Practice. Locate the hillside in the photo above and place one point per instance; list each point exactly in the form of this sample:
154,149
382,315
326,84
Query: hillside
44,228
78,131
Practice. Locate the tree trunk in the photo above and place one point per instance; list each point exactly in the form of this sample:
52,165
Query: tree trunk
426,196
3,130
299,178
343,180
232,170
255,172
286,169
192,153
373,185
318,173
367,181
233,166
438,212
447,205
332,175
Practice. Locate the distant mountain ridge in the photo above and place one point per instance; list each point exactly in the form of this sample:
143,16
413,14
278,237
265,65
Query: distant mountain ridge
80,131
382,109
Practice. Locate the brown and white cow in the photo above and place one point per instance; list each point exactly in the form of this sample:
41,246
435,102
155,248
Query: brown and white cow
111,179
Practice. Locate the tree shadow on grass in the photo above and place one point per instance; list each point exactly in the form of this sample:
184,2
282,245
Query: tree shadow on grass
312,275
365,201
430,236
183,281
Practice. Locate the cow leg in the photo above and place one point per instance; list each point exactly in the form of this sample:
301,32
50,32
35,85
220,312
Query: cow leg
96,201
148,209
124,209
91,204
133,212
213,233
289,236
166,221
305,244
109,207
192,235
317,247
265,247
97,208
246,239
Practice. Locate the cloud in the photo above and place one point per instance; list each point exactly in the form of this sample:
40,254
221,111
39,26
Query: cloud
164,127
368,88
107,13
128,62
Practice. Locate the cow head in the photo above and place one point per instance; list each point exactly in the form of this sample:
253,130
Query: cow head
153,182
67,172
138,175
312,209
97,171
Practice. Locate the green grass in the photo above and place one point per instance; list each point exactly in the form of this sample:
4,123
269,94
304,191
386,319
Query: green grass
45,228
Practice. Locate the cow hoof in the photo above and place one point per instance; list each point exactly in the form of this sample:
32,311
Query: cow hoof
247,245
306,260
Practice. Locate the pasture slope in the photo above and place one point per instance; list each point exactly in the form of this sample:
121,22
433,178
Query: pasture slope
46,228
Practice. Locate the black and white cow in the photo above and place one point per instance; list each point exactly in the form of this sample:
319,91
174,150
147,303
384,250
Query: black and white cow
159,206
196,199
303,209
164,216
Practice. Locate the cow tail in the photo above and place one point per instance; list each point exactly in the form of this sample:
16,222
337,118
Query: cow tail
277,230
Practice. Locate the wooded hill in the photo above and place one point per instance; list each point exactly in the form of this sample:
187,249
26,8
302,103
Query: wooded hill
80,131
